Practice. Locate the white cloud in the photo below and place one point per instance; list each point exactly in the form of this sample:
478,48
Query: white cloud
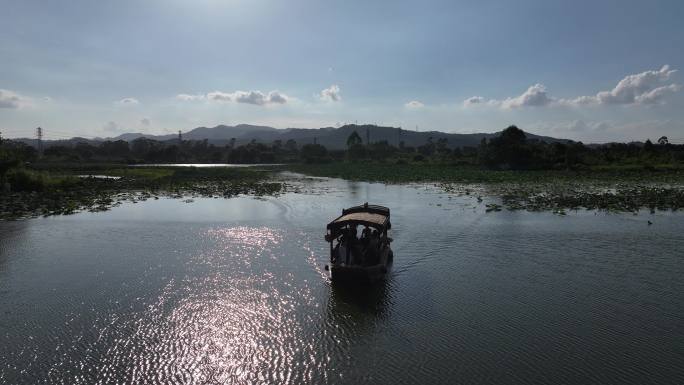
657,94
331,94
111,127
145,121
649,87
256,97
249,97
535,96
639,88
277,97
128,101
219,96
414,104
10,99
188,97
473,100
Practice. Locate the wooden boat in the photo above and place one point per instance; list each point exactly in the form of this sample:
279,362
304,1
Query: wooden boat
365,258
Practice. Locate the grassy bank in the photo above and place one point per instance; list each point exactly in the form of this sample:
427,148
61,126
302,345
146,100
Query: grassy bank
65,190
609,188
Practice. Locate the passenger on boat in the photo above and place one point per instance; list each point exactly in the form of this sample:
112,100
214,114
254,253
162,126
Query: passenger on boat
365,234
347,244
341,251
373,249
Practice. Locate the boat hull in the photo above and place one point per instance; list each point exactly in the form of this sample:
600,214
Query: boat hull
363,274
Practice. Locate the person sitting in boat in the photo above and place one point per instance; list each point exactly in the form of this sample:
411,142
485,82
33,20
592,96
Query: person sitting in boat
354,246
373,249
341,250
347,243
366,233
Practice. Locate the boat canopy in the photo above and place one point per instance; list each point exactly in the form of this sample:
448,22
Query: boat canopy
374,216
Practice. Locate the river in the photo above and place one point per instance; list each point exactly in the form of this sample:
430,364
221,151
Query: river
171,291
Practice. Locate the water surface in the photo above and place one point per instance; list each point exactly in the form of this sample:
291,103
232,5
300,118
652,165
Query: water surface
234,291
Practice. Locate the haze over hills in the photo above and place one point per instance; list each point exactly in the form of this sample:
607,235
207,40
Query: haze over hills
330,137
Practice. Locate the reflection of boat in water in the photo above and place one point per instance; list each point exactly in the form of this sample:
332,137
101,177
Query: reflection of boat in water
360,259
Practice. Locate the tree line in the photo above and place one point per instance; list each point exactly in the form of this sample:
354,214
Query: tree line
509,150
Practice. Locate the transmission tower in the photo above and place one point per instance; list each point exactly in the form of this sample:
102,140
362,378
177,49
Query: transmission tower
180,136
39,136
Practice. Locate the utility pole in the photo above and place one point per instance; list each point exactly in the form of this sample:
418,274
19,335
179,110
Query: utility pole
180,137
39,136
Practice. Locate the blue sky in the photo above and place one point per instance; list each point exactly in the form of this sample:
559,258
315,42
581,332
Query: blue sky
587,70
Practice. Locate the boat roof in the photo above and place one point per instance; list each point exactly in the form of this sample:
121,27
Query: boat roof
366,215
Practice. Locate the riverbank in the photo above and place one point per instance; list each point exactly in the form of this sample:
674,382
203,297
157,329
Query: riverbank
69,189
450,173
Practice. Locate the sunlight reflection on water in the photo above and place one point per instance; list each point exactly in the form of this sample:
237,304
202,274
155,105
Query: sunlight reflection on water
231,320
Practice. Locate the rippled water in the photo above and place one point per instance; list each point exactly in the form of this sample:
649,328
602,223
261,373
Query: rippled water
234,291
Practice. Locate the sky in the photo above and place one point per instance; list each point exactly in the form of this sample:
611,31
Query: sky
593,71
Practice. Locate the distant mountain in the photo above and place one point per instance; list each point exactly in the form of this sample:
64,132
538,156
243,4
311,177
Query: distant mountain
227,132
133,136
60,142
336,138
330,137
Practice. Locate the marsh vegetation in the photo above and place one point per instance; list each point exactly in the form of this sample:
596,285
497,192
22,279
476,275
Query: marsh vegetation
66,190
523,174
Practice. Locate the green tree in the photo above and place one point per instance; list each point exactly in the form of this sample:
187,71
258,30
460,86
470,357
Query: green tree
509,150
443,146
648,145
513,135
354,139
291,145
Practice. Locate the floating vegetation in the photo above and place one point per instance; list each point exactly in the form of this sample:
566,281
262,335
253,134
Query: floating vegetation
493,207
59,191
559,198
606,189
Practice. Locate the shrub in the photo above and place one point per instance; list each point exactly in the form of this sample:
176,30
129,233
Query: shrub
26,180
